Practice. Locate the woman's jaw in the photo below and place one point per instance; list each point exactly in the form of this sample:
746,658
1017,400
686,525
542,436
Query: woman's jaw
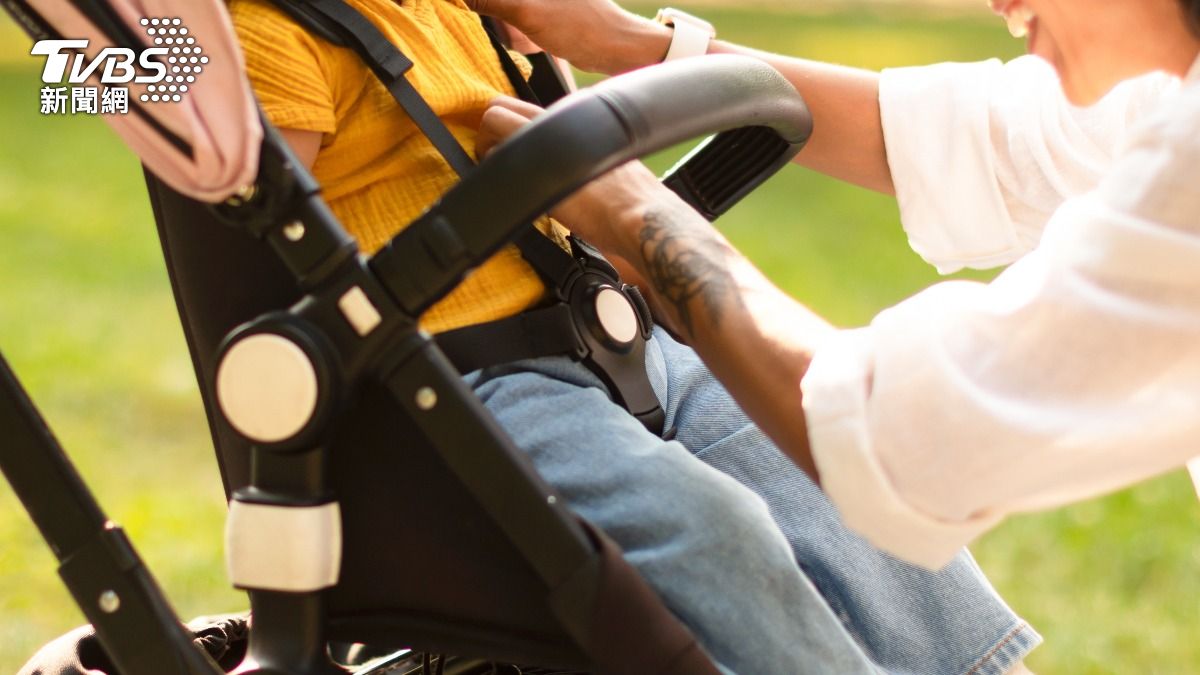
1096,44
1023,22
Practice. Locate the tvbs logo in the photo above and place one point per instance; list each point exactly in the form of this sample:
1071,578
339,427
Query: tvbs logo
166,69
115,64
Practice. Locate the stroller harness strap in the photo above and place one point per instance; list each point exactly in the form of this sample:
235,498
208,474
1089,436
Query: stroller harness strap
389,64
595,318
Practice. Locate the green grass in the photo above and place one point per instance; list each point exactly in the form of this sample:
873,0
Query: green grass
87,320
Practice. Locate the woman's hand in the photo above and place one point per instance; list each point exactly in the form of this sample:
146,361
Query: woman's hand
756,339
598,211
594,35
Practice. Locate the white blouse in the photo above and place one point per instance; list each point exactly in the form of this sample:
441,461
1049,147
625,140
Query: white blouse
1077,371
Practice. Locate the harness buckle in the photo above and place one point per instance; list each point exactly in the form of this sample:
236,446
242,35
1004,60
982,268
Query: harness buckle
613,323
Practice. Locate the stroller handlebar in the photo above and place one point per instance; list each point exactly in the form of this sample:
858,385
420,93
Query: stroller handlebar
760,120
681,100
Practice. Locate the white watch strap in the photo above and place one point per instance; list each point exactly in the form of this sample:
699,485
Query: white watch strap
691,36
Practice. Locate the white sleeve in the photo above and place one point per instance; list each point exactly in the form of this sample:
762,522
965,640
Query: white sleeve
982,153
1075,372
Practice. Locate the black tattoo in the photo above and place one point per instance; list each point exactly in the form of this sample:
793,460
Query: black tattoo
685,263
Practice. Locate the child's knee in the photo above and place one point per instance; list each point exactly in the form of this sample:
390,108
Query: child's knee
728,509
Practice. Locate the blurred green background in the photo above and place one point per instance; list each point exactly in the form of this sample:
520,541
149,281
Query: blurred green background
87,321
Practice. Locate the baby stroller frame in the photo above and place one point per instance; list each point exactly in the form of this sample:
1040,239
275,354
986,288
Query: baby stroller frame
352,339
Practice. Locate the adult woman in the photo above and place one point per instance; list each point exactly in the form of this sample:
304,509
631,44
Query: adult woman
1074,373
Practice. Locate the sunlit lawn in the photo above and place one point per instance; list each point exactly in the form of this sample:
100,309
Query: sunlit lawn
87,320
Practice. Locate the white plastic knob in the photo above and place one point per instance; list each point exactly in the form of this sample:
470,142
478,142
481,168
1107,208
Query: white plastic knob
267,388
616,315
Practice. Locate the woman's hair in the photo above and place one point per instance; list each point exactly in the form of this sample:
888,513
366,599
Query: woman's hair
1192,8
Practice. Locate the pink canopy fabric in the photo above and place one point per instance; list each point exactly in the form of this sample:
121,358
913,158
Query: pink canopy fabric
216,114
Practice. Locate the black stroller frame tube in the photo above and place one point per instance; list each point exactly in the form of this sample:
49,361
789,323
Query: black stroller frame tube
618,122
585,135
418,267
288,633
133,619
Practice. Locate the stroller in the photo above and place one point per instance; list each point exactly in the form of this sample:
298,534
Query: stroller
373,500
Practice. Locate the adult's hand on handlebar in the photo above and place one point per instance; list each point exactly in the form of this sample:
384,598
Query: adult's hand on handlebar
504,117
597,211
594,35
601,211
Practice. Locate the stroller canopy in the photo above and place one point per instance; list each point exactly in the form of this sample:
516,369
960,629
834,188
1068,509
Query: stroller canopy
203,140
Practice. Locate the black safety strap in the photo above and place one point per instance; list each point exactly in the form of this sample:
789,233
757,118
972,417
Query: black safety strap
546,84
511,71
493,342
552,263
542,254
390,65
528,335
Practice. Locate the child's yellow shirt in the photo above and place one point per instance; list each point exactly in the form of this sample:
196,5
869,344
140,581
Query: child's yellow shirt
377,171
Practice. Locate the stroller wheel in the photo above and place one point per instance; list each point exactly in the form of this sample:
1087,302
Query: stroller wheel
408,662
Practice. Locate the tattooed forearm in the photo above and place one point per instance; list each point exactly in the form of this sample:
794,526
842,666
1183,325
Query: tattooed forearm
687,264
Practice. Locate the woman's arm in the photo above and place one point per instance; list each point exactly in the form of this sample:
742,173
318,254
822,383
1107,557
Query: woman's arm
979,155
755,338
847,141
1073,374
599,36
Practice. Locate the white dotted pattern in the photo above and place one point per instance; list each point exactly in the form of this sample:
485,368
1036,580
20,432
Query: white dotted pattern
184,62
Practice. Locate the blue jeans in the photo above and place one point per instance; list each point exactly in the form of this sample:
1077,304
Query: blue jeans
741,545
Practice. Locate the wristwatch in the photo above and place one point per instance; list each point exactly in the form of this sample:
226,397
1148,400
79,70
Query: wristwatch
692,34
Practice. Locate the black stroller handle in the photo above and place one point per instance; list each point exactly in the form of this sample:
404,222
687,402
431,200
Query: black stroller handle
760,119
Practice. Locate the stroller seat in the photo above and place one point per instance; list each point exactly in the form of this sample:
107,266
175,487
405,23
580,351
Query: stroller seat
447,540
422,564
